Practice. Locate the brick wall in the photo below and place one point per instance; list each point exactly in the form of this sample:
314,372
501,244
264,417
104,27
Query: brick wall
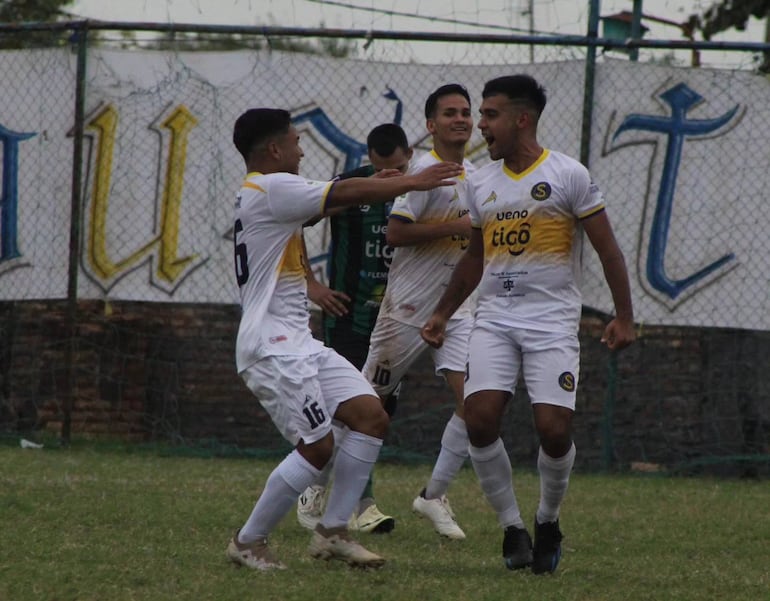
151,371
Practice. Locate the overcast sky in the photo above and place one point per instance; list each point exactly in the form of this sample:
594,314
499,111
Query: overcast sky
550,16
559,16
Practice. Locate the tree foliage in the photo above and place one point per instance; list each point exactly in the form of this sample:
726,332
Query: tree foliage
19,11
194,41
730,14
32,11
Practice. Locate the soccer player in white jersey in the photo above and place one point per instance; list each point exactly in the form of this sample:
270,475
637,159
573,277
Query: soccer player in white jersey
359,260
527,209
429,231
301,383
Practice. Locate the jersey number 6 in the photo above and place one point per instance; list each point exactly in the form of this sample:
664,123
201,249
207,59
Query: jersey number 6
241,256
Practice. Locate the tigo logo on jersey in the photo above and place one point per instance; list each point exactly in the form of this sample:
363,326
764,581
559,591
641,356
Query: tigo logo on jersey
541,191
567,381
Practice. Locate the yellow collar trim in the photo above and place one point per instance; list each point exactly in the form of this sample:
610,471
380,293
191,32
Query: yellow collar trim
517,176
434,154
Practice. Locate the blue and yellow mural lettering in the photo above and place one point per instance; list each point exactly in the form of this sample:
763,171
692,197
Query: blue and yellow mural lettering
677,127
170,267
9,202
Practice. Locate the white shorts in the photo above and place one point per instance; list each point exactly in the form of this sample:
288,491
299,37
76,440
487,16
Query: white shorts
394,347
549,362
302,393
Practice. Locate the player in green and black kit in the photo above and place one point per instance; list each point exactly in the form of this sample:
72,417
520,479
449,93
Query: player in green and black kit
359,259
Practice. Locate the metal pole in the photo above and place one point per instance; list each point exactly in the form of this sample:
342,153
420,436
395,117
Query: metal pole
531,30
80,37
765,66
588,88
608,442
585,156
636,28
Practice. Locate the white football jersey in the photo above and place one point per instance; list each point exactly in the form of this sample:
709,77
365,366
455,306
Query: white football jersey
419,274
532,241
269,213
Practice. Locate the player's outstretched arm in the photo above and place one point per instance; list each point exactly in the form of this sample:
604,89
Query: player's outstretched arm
407,233
619,333
465,278
350,191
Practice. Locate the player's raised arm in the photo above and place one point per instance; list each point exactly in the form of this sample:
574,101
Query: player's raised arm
407,233
349,192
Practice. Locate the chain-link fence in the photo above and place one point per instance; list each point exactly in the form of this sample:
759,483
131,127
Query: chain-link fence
118,308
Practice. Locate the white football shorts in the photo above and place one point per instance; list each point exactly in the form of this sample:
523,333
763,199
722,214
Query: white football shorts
549,362
394,347
301,393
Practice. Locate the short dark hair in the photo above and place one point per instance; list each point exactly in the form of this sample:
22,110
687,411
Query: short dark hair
522,88
451,88
386,138
258,125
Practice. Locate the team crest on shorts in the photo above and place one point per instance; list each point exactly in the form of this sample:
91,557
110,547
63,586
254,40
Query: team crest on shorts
567,381
541,191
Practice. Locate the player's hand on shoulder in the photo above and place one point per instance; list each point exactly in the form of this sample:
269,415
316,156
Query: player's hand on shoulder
618,334
440,174
331,301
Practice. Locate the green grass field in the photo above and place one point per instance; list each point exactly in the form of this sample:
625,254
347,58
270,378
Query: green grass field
94,524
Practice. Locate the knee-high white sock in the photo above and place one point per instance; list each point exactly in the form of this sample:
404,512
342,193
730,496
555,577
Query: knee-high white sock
284,484
339,432
554,479
454,451
493,468
352,467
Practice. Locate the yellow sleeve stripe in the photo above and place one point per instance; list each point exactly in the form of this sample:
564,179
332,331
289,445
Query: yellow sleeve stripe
325,196
592,212
253,186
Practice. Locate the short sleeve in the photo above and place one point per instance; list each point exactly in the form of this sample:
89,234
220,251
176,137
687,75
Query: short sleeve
410,206
292,198
585,195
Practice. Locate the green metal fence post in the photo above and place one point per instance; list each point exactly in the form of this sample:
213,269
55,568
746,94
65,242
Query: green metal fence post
608,443
80,38
589,83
